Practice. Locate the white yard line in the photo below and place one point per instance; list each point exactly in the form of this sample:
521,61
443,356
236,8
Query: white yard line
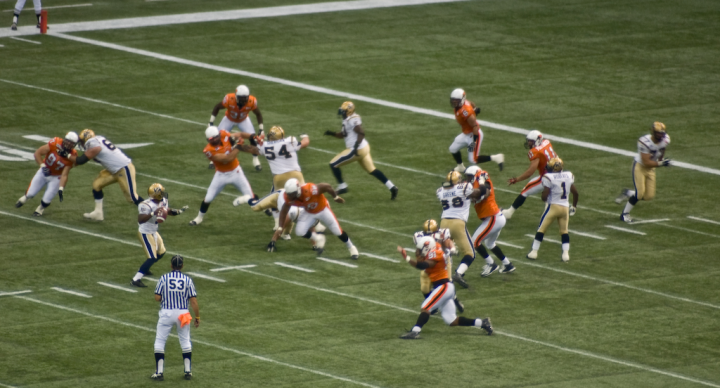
198,341
688,230
232,268
199,275
337,262
15,293
294,267
651,221
58,6
150,279
625,230
532,236
379,257
587,235
58,289
703,220
116,287
375,228
509,245
1,384
25,40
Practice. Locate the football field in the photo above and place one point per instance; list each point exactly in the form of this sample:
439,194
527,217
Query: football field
638,305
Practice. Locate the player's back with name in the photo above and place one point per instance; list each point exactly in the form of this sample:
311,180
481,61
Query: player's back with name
559,184
176,289
455,202
281,154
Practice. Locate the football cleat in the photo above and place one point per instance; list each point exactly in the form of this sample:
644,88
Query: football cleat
211,166
271,246
196,221
532,255
139,283
37,213
625,217
188,375
508,268
157,377
13,27
624,194
487,326
393,192
342,191
285,236
565,256
459,279
241,200
21,201
458,305
411,335
508,213
94,215
354,253
319,240
256,163
460,168
488,269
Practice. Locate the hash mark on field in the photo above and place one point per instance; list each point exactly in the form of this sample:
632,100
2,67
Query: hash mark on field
14,293
58,289
294,267
650,221
337,262
117,287
234,267
587,235
625,230
24,40
509,245
545,239
379,257
199,275
57,6
703,220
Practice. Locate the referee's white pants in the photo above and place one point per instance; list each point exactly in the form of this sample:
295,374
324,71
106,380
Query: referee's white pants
168,319
21,4
235,177
39,181
244,126
306,220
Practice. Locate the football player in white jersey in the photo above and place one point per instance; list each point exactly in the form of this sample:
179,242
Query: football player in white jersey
456,197
651,154
151,213
357,150
557,183
117,168
442,236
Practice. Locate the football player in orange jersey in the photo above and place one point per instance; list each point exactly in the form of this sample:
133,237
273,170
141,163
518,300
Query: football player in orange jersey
237,107
55,158
540,152
430,258
471,136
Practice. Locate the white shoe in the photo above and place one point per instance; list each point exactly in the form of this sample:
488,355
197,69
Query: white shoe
320,228
256,163
285,237
500,160
196,221
532,255
507,213
354,253
565,256
241,200
460,168
94,215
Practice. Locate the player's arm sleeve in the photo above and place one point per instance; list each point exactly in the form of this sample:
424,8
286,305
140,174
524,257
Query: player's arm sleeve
144,208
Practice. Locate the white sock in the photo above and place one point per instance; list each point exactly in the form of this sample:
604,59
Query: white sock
39,209
496,158
506,261
200,215
462,268
510,211
389,184
342,186
15,19
98,205
536,245
160,366
417,329
631,193
23,199
478,322
137,277
349,244
187,365
566,247
628,207
489,261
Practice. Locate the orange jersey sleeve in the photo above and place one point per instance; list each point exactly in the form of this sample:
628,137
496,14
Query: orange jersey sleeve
487,207
311,199
237,113
544,152
439,271
54,161
224,148
462,114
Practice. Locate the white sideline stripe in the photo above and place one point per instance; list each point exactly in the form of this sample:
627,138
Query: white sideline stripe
234,267
15,293
703,220
587,235
25,40
294,267
379,257
58,289
116,287
150,279
509,245
625,230
57,6
371,100
212,345
199,275
544,239
651,221
337,262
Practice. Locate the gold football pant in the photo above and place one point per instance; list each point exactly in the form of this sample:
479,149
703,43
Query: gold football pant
348,156
153,244
125,177
459,234
644,181
280,179
267,202
552,213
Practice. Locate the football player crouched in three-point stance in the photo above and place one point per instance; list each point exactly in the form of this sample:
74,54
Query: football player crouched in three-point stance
222,150
55,158
651,154
117,168
237,107
357,150
471,136
540,152
151,212
310,198
442,236
293,215
492,222
556,183
431,259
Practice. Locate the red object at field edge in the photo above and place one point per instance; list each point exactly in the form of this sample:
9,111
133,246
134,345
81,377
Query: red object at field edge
43,21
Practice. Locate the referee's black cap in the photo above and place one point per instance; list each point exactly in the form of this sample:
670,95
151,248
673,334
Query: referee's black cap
177,261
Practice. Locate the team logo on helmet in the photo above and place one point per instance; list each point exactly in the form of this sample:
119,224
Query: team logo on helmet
276,133
157,192
346,109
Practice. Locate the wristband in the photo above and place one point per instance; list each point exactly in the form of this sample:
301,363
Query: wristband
42,165
260,126
212,118
62,188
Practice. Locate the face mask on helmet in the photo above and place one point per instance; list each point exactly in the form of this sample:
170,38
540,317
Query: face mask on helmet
425,245
242,95
457,98
157,192
533,139
346,109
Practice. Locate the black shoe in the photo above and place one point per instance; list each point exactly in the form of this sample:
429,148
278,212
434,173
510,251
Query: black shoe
487,326
157,377
508,268
459,306
268,212
411,335
341,191
258,168
139,283
188,375
18,204
211,166
500,165
393,192
36,214
14,27
457,278
626,218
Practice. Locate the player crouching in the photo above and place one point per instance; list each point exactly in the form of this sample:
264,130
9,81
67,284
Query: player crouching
431,259
442,236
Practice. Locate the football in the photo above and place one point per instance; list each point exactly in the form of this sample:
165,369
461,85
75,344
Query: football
161,214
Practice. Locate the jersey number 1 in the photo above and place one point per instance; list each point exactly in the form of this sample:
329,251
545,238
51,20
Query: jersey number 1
564,195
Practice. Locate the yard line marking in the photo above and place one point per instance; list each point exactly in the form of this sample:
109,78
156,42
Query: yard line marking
379,257
625,230
58,289
587,235
651,221
703,220
57,6
212,345
1,384
687,230
150,279
25,40
22,155
357,97
510,245
545,239
294,267
199,275
15,293
337,262
116,287
373,227
384,164
231,268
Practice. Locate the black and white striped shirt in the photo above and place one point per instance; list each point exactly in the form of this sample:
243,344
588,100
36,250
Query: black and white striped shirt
176,289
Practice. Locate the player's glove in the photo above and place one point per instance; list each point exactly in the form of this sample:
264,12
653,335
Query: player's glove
330,133
210,124
176,212
477,110
665,163
271,246
60,193
303,135
572,211
233,141
45,169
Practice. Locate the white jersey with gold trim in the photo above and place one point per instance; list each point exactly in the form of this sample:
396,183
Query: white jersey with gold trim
351,136
455,201
281,155
110,156
149,206
559,184
647,146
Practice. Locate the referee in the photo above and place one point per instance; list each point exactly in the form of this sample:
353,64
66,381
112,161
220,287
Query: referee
174,290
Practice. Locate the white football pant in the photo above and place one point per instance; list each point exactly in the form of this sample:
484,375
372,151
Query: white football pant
489,230
168,319
441,298
21,4
235,177
243,126
465,141
534,186
39,181
306,220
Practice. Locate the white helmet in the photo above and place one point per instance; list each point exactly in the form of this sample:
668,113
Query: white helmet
425,244
72,136
535,136
472,170
242,91
458,94
292,186
211,132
